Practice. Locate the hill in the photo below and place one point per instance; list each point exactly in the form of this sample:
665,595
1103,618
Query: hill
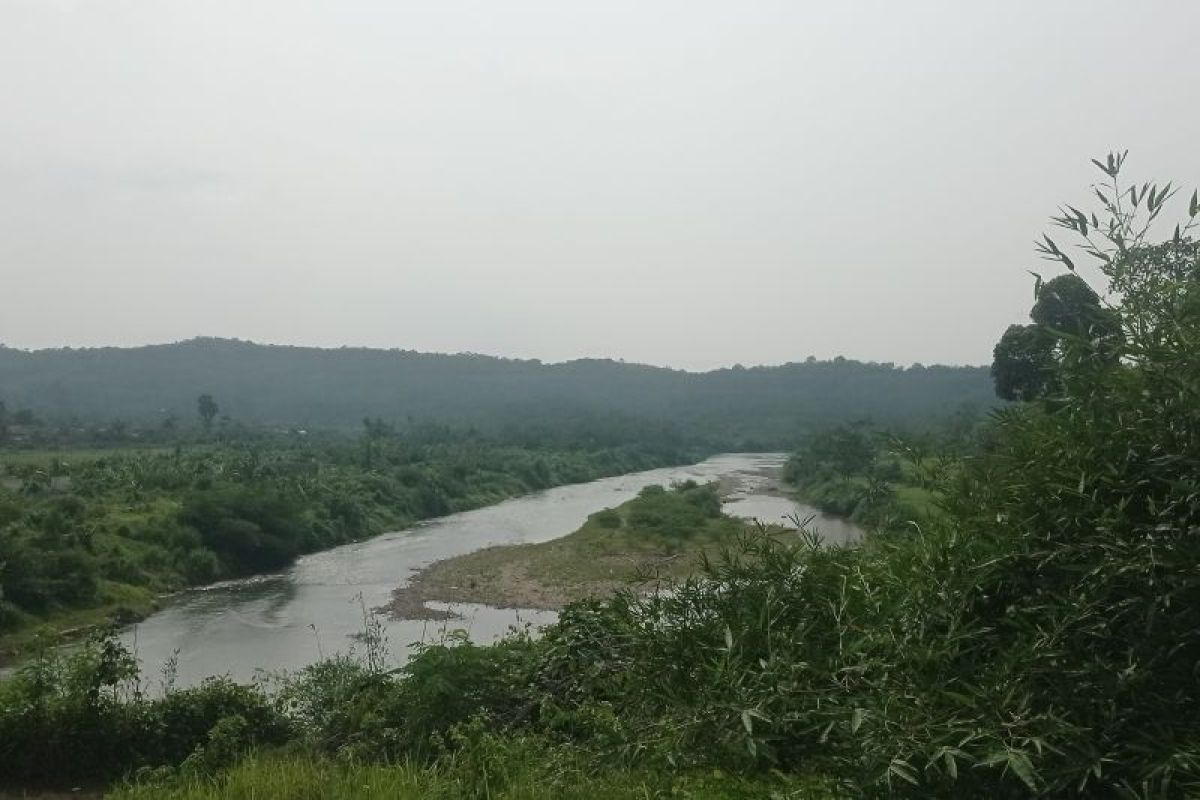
305,386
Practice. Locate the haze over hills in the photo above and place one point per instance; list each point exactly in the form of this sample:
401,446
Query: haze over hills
308,386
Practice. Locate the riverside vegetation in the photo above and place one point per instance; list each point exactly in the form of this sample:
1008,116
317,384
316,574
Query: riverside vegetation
1038,636
884,481
646,542
89,536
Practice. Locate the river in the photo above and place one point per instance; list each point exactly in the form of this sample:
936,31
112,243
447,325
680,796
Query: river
287,620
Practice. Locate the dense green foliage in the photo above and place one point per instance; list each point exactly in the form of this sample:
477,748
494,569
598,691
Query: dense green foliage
83,717
683,509
1026,358
1039,637
82,720
498,768
115,530
756,408
877,479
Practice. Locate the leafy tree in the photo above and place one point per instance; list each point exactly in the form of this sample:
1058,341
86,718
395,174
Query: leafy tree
1065,306
311,388
207,408
374,432
1023,362
843,450
253,530
1091,501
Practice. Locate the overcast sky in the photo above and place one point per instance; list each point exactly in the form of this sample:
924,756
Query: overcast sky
684,183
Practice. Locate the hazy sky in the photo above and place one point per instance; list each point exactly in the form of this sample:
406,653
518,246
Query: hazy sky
685,183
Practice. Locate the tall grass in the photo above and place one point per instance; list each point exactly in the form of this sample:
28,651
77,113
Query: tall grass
508,772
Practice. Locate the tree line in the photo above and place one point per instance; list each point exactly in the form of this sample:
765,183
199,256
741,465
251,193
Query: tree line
111,530
147,388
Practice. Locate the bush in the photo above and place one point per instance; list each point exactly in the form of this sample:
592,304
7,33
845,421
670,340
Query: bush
83,718
252,530
683,511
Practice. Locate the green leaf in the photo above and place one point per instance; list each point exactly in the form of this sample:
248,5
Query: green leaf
856,720
1020,764
903,770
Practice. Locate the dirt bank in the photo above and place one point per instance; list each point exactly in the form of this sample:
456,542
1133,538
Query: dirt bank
594,561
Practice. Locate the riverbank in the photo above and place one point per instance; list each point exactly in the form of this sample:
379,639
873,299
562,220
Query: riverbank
858,476
294,617
659,536
125,605
115,531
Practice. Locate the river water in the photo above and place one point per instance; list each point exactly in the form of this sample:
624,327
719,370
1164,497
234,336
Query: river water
287,620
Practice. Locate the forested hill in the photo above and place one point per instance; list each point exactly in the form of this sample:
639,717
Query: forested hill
339,387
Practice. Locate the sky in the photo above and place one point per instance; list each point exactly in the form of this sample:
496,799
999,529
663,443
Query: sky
692,184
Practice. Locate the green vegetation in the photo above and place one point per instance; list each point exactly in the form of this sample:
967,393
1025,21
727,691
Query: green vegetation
883,482
101,537
1038,637
137,394
659,535
499,768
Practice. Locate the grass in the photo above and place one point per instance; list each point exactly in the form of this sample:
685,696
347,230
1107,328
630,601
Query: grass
613,549
917,502
292,777
42,456
116,600
841,495
119,602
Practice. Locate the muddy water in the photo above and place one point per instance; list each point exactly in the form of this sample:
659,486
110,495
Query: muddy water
314,609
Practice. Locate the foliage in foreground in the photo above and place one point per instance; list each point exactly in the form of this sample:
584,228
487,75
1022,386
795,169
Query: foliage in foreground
499,768
113,532
1041,638
885,482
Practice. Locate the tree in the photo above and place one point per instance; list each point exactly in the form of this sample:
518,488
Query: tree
207,408
1065,307
845,450
1086,508
374,430
1022,363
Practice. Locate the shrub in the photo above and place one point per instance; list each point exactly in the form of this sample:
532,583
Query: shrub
608,518
83,717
